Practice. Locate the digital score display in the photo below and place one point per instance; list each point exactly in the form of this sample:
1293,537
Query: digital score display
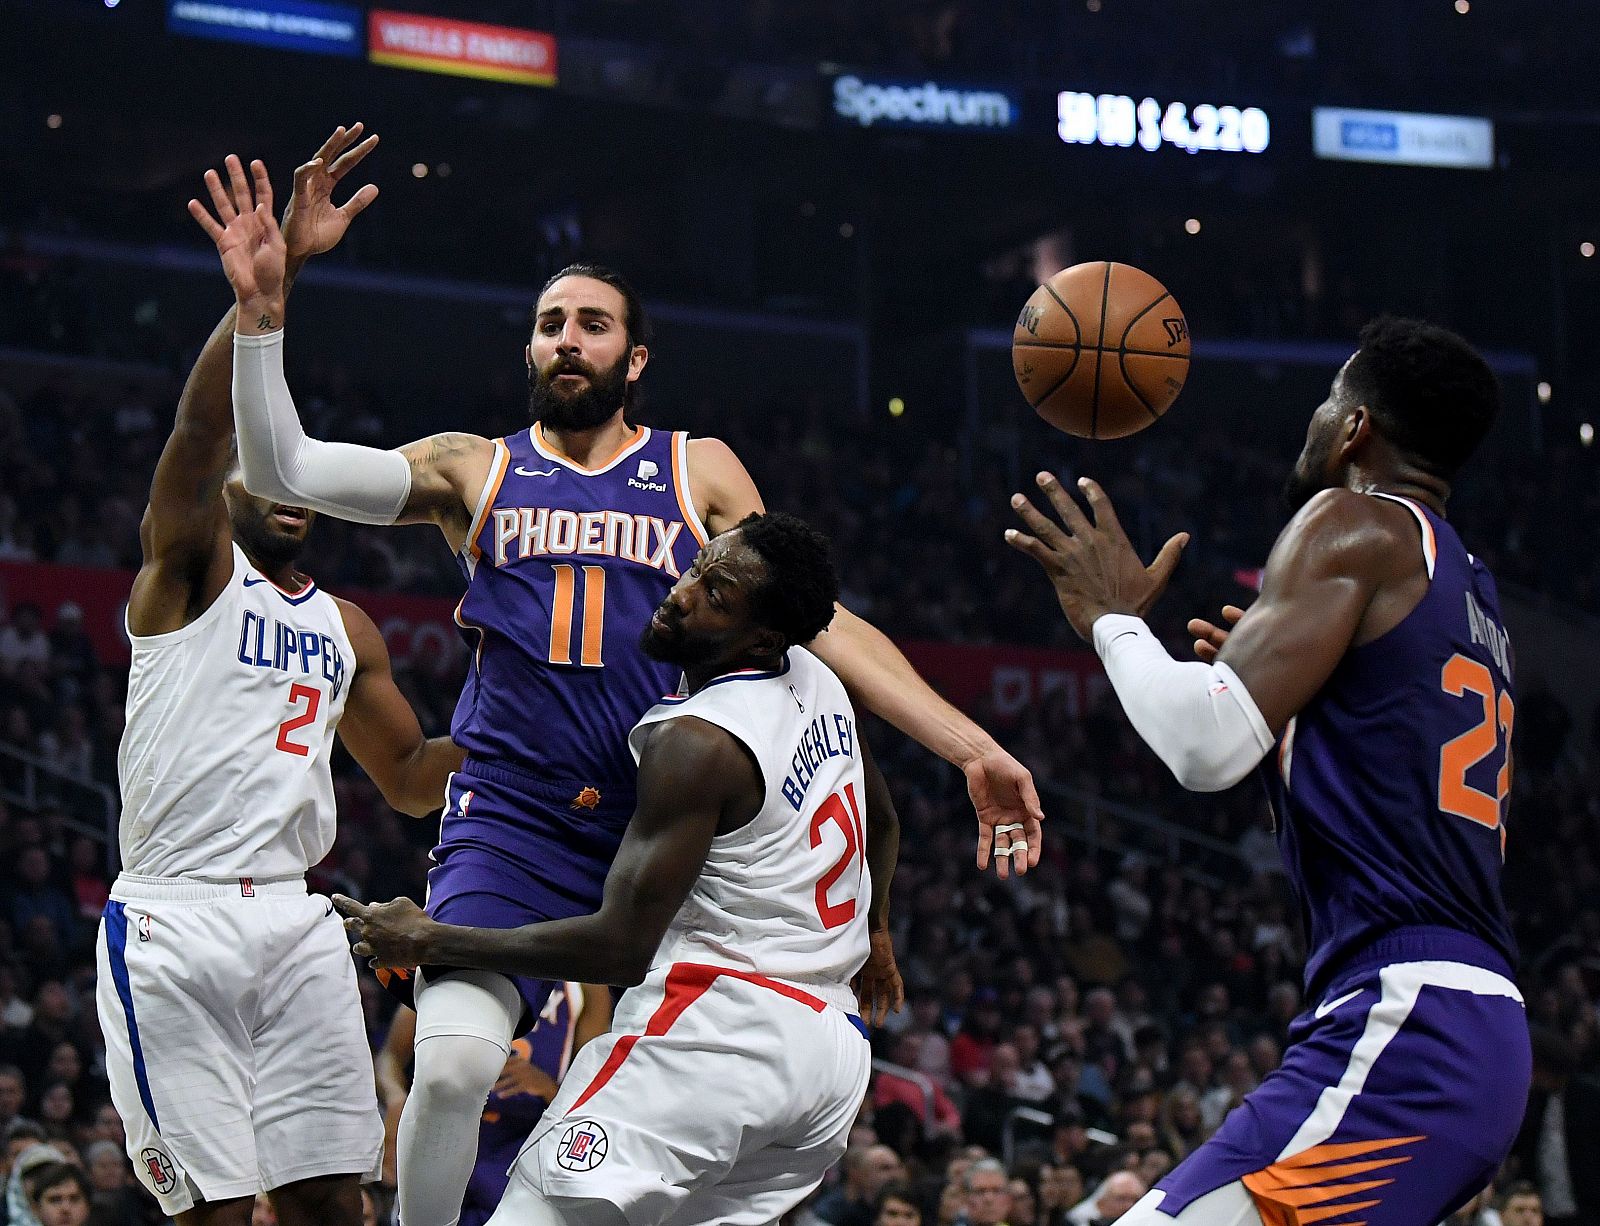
1118,121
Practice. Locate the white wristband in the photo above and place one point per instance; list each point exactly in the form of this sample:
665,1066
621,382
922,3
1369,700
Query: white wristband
364,484
1198,717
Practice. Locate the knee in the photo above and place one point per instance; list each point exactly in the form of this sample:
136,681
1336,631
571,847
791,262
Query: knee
454,1073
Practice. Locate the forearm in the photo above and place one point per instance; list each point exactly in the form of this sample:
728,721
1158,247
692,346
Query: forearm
207,401
587,948
364,484
883,845
875,670
1198,718
419,790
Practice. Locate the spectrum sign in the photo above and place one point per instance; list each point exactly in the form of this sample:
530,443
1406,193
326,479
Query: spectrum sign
293,25
461,48
923,104
1403,138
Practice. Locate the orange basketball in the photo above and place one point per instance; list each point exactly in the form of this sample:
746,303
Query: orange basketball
1101,350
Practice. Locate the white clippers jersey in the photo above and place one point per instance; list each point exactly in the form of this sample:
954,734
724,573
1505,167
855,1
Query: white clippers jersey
224,762
786,895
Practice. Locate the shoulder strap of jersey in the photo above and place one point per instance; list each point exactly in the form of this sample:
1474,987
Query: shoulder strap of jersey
680,482
1430,545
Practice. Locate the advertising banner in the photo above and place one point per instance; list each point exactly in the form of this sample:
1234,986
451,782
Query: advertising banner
293,25
461,48
1403,138
419,630
893,103
1007,679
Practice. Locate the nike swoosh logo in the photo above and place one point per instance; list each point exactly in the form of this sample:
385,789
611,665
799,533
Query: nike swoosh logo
1328,1006
253,582
328,912
543,472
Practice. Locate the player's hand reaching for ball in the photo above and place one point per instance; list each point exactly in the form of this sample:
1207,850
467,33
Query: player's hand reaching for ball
1209,637
249,241
391,934
1091,563
878,986
312,223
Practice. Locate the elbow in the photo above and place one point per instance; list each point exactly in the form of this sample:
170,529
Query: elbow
1201,772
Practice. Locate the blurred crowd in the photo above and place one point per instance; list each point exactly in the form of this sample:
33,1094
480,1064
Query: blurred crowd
1068,1036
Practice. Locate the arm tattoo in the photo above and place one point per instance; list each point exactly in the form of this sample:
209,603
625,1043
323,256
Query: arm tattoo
264,321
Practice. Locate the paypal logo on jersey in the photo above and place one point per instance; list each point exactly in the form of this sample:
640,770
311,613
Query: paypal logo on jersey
641,481
266,642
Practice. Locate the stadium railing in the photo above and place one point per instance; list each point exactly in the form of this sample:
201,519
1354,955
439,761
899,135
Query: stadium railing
31,783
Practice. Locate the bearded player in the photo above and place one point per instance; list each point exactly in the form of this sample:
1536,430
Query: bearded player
570,532
1372,682
742,902
235,1044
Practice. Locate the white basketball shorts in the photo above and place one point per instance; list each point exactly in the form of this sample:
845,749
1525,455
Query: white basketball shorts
718,1096
235,1043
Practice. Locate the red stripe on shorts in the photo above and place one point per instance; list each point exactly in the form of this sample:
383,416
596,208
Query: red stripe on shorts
686,983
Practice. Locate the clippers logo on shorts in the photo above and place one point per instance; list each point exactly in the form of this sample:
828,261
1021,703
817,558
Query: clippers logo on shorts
159,1167
247,887
583,1147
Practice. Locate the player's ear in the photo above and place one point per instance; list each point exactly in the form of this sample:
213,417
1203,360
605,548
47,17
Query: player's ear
527,354
1357,429
636,360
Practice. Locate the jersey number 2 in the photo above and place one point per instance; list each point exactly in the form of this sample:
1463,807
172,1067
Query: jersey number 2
833,914
1462,675
594,615
294,723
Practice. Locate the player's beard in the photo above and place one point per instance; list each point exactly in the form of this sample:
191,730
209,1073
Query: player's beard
605,392
674,646
268,548
1308,479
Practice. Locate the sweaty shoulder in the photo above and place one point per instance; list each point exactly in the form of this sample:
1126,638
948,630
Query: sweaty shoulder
1354,534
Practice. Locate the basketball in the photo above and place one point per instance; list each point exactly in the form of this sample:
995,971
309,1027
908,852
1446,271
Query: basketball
1101,350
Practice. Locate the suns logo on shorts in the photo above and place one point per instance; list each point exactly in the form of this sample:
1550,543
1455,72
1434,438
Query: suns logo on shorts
589,798
583,1147
159,1167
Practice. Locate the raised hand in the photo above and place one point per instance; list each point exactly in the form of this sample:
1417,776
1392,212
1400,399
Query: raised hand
1091,564
1007,803
312,223
248,241
1208,636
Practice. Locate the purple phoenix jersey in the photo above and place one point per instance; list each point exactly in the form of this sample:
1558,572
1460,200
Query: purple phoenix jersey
1403,1083
1390,787
565,564
509,1118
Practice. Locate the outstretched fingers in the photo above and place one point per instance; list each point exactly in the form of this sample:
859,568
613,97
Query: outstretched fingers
351,158
220,200
243,199
207,222
263,184
1065,505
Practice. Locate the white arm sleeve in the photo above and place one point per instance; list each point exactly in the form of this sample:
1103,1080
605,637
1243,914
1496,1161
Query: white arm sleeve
364,484
1199,718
